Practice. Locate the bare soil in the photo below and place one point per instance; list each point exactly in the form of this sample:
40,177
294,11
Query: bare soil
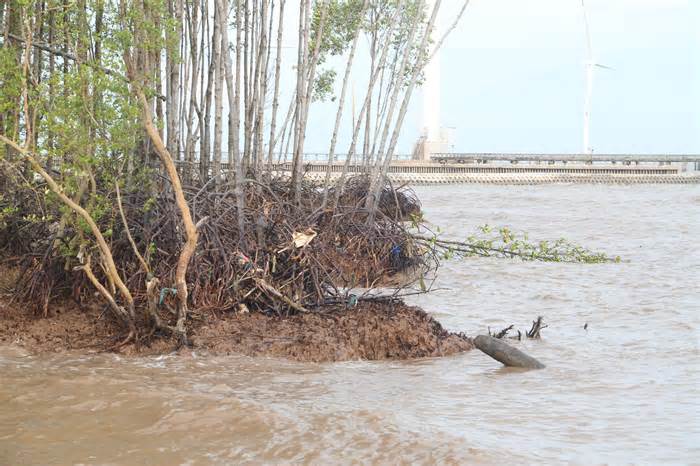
370,331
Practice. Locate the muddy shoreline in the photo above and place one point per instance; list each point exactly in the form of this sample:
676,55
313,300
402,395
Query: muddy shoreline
369,331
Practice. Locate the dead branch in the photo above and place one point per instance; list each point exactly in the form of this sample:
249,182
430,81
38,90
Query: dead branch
537,326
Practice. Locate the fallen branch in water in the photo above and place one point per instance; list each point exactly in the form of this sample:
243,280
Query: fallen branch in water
503,242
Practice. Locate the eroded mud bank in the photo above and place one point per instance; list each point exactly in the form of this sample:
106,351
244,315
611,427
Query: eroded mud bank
370,331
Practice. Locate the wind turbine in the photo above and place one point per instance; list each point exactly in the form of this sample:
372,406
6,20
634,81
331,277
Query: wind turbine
590,65
431,96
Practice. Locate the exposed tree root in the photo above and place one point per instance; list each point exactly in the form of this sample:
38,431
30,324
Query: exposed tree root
292,257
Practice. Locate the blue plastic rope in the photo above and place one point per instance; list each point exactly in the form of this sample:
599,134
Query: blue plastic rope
165,291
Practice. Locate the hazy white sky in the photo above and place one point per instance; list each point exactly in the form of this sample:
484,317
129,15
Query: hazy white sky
513,78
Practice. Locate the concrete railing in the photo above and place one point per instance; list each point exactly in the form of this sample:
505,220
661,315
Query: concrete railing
461,157
516,169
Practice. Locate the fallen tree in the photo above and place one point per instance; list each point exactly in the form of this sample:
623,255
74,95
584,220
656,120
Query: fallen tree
506,354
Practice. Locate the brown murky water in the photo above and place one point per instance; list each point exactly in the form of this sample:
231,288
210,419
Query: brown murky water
627,390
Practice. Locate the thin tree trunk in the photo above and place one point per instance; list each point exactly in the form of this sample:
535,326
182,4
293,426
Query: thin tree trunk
261,89
254,85
221,18
289,136
194,57
304,7
234,95
283,130
373,196
9,119
276,96
341,105
2,13
204,152
159,86
173,79
310,79
365,105
310,72
372,55
246,86
52,66
382,106
398,85
203,77
37,32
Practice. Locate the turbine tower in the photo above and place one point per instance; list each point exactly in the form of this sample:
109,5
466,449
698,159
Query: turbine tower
590,65
433,139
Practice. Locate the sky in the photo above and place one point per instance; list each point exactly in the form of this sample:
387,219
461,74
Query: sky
513,79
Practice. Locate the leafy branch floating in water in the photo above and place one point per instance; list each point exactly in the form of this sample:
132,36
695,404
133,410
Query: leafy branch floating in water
504,242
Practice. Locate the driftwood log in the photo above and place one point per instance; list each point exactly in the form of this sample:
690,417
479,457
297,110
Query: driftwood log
506,354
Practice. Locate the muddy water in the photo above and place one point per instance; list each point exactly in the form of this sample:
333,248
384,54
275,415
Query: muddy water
624,390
